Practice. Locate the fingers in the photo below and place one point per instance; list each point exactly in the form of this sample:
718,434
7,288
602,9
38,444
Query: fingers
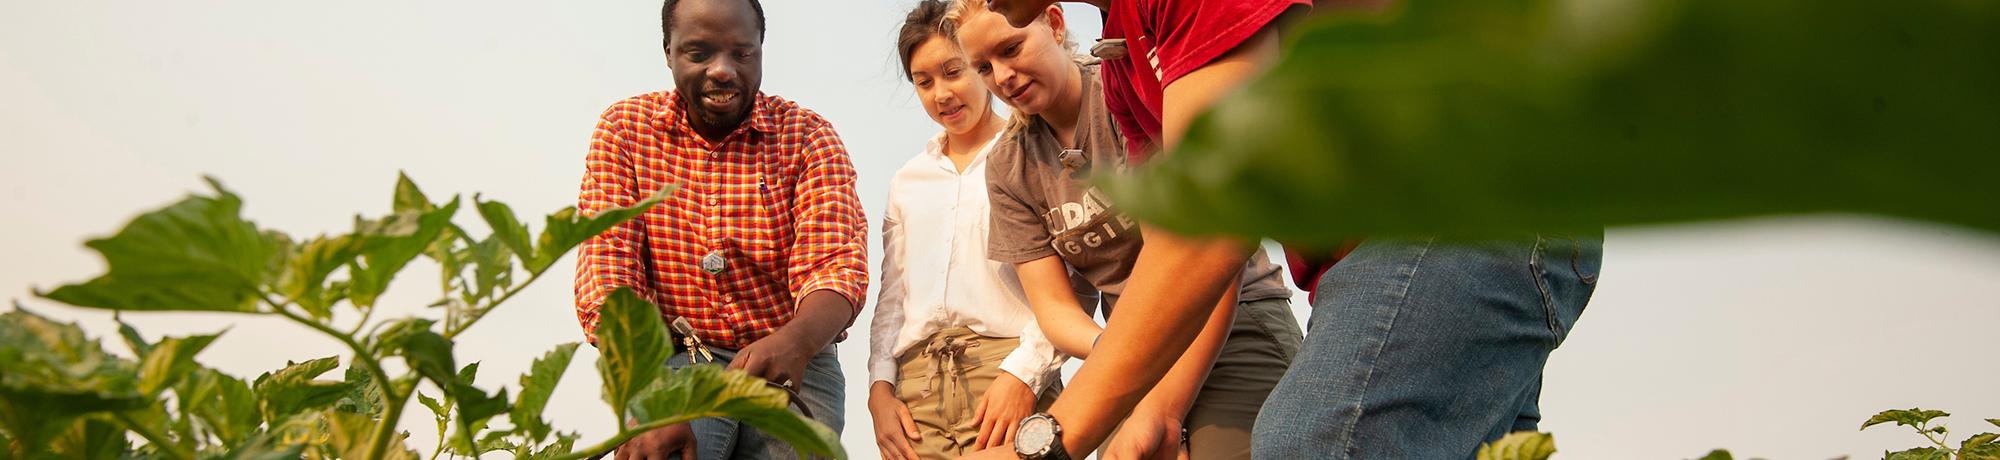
909,424
1013,426
986,427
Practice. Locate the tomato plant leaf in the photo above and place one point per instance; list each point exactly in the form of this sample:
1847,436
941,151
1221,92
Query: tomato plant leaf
633,347
536,387
1903,417
168,361
197,254
711,391
565,229
391,243
295,389
1520,445
1920,453
507,228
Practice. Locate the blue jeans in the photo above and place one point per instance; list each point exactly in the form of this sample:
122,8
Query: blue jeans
1425,348
823,389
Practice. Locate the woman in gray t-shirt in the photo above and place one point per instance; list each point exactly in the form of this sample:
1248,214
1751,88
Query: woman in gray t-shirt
1049,221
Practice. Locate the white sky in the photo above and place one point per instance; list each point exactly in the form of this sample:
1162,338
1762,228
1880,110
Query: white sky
1774,337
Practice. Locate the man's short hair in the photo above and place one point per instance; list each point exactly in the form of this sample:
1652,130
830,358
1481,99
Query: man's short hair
667,19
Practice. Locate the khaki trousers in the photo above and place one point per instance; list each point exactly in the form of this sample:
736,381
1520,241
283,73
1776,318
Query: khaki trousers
941,381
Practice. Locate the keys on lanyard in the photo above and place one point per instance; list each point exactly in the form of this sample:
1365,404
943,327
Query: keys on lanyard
697,351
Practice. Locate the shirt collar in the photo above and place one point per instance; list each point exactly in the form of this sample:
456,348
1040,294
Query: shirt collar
761,119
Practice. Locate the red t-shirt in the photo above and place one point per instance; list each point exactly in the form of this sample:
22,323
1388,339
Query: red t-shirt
1164,41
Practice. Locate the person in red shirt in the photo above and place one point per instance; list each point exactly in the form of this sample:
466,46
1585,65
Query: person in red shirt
762,248
1419,347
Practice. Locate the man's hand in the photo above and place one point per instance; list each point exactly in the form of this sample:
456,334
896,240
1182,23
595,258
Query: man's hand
1147,437
660,444
778,357
894,430
1006,402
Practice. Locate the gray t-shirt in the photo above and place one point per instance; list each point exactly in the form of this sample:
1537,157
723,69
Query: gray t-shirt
1043,208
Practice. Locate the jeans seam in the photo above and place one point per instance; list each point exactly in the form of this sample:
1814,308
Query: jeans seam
1402,300
1535,272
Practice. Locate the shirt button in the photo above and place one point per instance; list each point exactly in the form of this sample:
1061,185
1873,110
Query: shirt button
711,201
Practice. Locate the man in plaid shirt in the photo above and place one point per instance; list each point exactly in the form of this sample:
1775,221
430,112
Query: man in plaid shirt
763,246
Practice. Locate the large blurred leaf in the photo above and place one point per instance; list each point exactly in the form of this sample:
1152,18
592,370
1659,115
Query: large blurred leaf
50,373
536,387
1504,115
1921,453
225,404
296,388
711,391
561,231
304,279
197,254
1520,445
632,341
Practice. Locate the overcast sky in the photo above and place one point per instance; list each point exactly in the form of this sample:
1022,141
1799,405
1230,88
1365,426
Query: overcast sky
1773,337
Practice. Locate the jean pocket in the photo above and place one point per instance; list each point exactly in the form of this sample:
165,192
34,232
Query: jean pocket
1565,269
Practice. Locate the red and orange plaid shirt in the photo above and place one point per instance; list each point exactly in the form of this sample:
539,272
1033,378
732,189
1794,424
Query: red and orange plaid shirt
775,199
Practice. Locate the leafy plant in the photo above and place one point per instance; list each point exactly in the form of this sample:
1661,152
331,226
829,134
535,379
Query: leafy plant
63,396
1522,445
1528,445
1499,116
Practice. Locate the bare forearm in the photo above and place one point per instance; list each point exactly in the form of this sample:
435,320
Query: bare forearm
1173,289
1176,392
820,317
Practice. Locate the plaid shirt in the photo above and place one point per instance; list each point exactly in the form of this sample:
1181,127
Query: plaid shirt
775,199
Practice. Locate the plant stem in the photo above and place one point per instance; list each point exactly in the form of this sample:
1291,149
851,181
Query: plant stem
625,435
481,313
393,398
158,440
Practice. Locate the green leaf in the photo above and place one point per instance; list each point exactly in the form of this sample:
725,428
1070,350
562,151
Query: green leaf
92,439
348,435
1903,417
430,355
53,373
304,279
265,446
1920,453
475,407
391,243
197,254
137,343
564,444
170,360
1718,454
1501,116
1978,440
492,269
437,408
228,407
507,228
1521,445
711,391
295,389
536,387
561,231
1994,421
363,395
632,340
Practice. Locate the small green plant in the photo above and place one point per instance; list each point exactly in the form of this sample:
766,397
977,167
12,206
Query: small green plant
1978,447
1529,445
63,396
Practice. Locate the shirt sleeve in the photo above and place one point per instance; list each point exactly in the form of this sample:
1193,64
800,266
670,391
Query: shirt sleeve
611,259
887,325
1017,234
1035,360
830,247
1119,100
1190,34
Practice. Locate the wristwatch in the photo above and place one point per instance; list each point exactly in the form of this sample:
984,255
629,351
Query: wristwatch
1040,438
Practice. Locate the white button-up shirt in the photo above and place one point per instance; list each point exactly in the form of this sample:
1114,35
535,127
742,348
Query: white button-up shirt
935,273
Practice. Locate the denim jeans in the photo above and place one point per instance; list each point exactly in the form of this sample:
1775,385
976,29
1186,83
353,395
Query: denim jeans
823,389
1425,348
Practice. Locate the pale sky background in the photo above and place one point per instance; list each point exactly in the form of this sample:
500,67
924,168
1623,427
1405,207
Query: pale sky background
1772,337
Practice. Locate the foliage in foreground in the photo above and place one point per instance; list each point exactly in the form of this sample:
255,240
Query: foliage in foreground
1528,445
63,396
1498,116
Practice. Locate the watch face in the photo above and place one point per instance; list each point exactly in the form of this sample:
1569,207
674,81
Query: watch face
1037,433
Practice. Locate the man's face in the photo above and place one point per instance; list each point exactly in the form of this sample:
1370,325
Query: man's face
718,61
1019,12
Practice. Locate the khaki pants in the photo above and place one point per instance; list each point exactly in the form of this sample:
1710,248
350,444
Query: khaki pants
1262,341
942,380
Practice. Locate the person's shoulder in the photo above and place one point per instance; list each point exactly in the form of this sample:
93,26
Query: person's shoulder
639,107
786,112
